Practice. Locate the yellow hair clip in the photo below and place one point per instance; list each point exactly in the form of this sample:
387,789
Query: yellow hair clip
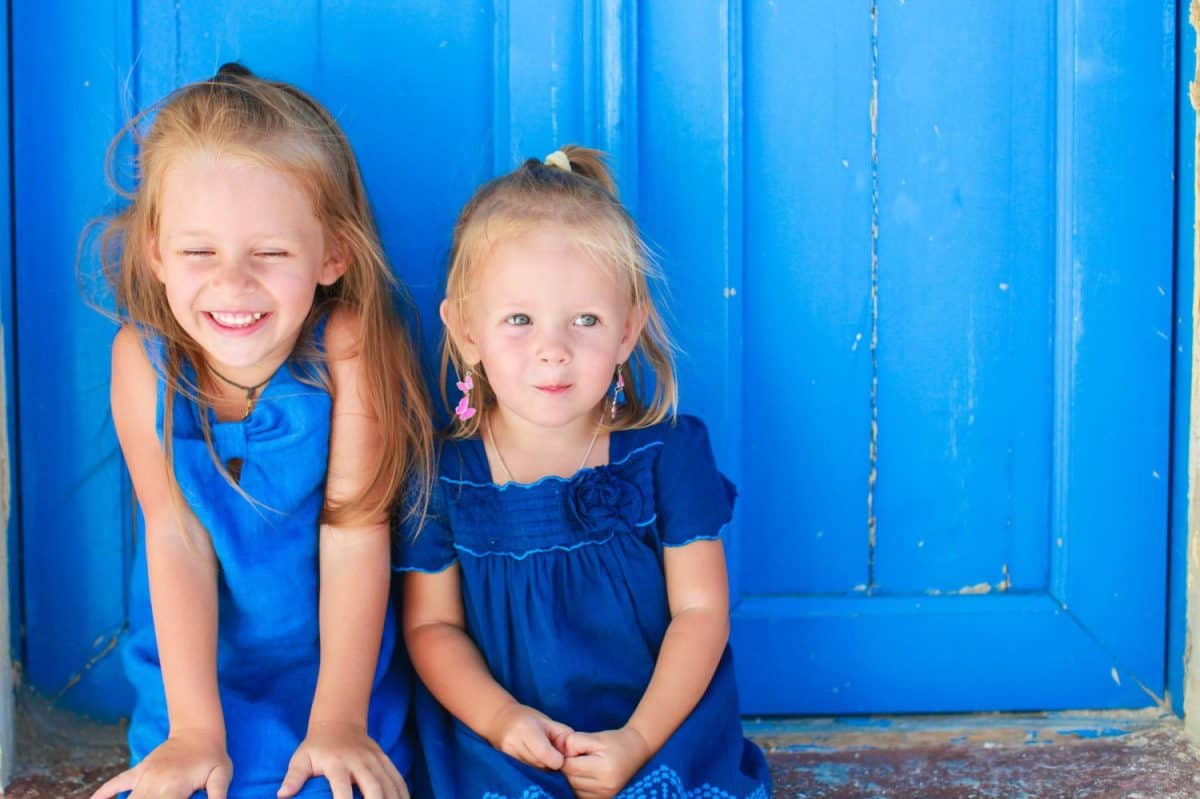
559,160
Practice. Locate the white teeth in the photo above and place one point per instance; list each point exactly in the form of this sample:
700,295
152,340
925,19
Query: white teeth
234,319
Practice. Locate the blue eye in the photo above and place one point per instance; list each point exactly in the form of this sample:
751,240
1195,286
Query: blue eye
517,319
586,320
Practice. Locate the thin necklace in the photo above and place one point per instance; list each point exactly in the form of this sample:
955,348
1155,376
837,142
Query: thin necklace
248,389
508,472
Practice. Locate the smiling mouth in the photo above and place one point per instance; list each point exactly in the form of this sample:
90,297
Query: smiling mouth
236,320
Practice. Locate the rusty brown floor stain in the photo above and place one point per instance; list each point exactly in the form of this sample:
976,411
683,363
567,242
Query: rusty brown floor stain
1139,755
1100,755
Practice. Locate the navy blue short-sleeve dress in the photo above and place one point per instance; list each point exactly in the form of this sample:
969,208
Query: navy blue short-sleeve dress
565,596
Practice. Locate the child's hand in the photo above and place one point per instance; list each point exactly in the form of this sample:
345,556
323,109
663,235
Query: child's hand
600,764
346,756
530,736
186,762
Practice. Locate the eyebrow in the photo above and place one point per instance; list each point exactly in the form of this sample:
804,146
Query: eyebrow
260,237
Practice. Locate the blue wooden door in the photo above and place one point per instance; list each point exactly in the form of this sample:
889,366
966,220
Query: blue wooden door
921,270
955,337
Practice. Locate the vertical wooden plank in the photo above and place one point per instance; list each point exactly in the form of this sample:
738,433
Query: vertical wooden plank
68,102
1113,437
1181,419
545,79
806,296
184,42
610,88
965,281
415,101
684,195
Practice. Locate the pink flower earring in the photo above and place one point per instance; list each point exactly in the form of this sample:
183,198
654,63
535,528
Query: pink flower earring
463,410
618,392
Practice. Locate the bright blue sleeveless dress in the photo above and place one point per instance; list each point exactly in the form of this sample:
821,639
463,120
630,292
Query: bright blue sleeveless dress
268,646
564,594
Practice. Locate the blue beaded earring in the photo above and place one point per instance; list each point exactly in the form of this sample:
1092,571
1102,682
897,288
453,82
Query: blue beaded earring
618,392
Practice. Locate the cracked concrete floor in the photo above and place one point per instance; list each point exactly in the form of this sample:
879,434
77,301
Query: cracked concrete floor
1101,755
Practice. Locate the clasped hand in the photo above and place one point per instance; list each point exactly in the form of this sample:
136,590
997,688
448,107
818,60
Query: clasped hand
597,765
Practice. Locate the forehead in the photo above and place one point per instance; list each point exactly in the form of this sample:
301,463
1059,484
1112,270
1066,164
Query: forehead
547,263
204,189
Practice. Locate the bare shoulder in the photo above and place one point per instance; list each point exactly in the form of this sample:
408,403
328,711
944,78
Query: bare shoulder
347,367
133,377
134,399
128,347
343,334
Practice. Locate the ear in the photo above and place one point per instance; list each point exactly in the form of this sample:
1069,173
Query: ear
635,323
154,257
337,260
458,330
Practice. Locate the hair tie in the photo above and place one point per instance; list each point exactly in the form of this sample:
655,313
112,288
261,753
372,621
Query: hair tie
558,159
230,73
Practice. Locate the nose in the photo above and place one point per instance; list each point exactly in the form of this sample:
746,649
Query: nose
234,274
552,349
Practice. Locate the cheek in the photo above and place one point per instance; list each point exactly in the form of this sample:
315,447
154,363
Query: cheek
502,355
604,347
295,298
178,294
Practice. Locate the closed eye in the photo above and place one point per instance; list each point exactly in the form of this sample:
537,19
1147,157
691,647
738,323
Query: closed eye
517,320
196,253
272,253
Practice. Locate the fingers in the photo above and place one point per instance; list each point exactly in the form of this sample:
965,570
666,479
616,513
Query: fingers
393,781
537,752
546,752
585,786
368,784
581,743
580,769
217,785
558,733
377,778
118,784
299,770
339,782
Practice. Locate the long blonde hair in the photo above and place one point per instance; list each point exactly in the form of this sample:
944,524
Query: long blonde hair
582,199
278,126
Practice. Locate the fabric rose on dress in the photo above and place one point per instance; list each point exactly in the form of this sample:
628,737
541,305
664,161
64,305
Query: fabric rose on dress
600,500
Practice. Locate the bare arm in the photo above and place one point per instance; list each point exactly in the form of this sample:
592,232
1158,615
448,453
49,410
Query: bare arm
179,553
697,589
355,579
600,764
448,661
355,561
454,671
183,578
